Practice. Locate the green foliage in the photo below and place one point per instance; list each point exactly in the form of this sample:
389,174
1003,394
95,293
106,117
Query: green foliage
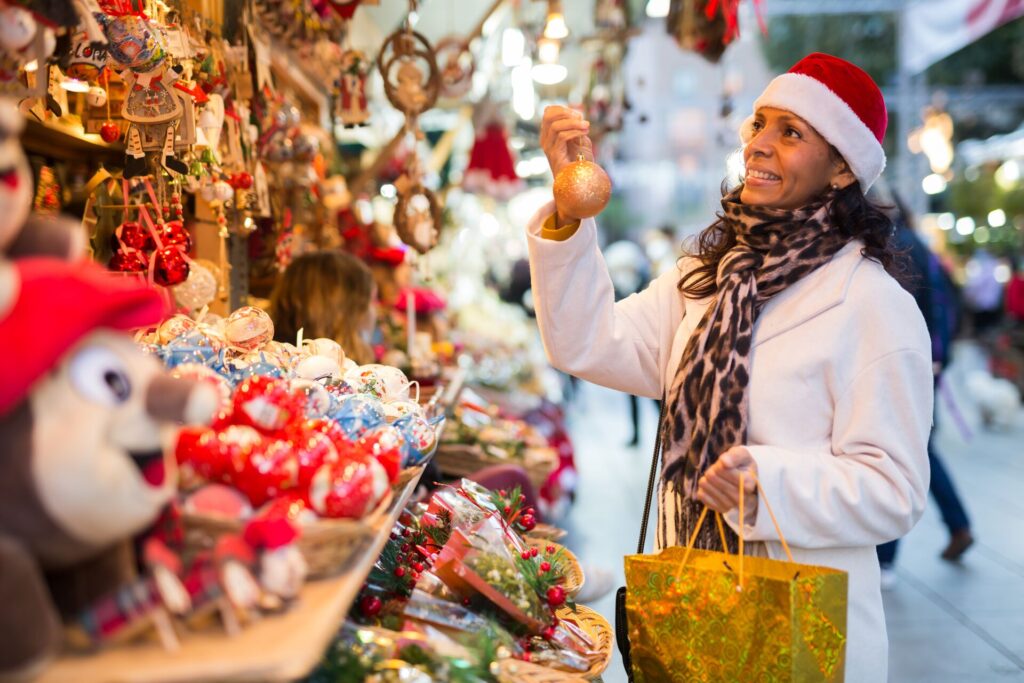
869,40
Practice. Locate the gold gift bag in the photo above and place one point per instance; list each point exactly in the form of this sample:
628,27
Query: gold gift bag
698,616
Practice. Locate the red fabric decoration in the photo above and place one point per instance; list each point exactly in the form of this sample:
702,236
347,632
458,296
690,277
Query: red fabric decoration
270,533
426,301
491,169
58,304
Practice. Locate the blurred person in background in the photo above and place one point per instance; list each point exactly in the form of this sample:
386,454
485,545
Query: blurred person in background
936,296
327,294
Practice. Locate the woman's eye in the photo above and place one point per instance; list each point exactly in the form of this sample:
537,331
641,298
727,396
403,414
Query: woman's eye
793,132
757,125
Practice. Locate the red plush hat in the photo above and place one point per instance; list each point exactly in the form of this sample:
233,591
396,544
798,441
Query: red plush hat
57,304
270,533
841,102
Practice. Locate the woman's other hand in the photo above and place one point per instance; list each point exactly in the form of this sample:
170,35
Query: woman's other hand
563,136
719,488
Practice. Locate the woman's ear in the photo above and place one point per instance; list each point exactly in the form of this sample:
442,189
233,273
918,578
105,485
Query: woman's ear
842,176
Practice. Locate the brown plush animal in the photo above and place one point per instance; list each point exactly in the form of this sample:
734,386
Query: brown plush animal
86,424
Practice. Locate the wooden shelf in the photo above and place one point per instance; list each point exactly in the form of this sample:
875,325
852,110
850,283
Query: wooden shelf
61,141
277,648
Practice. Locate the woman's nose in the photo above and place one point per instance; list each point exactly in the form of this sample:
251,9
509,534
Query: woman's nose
761,144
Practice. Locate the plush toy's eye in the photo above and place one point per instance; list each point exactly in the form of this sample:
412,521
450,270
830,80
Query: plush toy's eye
99,375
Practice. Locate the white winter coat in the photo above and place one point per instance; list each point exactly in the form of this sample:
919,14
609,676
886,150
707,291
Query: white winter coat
840,400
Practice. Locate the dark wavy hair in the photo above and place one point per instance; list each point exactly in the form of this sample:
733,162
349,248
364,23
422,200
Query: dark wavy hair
855,215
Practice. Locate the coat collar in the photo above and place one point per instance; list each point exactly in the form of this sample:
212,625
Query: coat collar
823,289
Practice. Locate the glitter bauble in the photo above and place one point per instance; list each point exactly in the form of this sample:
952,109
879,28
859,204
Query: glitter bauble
132,234
110,132
173,233
198,290
169,267
127,262
582,190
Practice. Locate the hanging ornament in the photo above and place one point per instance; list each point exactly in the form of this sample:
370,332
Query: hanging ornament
199,288
582,189
417,217
408,66
351,103
96,97
707,26
87,60
491,170
457,66
170,266
17,28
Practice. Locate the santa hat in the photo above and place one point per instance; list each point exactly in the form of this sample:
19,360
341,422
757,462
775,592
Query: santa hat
57,304
843,105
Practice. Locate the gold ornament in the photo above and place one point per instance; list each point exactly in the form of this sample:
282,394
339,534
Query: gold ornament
582,189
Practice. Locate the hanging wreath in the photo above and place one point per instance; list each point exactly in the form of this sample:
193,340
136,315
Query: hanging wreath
408,66
457,66
418,217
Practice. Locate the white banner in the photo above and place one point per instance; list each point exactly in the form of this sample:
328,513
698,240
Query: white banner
934,29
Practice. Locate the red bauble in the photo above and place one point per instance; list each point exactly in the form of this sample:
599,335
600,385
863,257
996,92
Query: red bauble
333,431
270,470
291,506
169,267
241,181
267,404
528,522
556,596
370,605
127,262
235,444
384,444
313,450
343,489
110,132
132,234
198,450
173,233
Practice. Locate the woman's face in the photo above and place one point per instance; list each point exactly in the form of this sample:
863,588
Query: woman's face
787,163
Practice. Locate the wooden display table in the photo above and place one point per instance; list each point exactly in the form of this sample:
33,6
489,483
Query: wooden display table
276,648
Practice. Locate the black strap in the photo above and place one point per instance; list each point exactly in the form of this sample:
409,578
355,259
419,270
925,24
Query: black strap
650,481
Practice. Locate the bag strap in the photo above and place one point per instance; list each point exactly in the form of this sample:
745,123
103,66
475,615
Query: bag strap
651,479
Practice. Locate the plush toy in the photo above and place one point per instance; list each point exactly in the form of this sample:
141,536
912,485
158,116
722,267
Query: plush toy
86,421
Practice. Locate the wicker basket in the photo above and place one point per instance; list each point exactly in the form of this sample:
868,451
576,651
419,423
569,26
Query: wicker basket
463,460
595,626
574,573
599,630
327,545
547,532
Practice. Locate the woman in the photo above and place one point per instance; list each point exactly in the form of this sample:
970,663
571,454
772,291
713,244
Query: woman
327,294
782,345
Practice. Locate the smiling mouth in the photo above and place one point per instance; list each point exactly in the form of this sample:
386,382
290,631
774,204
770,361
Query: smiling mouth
151,466
762,175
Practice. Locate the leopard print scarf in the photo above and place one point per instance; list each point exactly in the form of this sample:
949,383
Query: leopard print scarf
707,401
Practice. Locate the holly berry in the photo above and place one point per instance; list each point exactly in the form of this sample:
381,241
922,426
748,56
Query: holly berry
526,554
415,578
418,566
549,632
522,499
556,598
528,522
405,547
406,532
507,510
545,566
399,572
370,605
550,549
110,132
533,552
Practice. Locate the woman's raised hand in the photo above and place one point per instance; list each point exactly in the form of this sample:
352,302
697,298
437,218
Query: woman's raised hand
563,136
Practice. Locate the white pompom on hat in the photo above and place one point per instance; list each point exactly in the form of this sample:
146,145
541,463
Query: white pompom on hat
841,102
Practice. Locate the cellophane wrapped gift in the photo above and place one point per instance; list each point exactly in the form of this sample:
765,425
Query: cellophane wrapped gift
691,622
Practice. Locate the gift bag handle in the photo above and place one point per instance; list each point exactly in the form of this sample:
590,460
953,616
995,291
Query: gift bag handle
704,513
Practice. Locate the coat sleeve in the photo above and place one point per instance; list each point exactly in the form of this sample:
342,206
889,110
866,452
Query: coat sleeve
873,485
622,345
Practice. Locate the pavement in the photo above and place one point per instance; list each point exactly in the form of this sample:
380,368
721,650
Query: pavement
948,622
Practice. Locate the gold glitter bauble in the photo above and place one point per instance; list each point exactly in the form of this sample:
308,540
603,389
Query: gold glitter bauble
582,190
